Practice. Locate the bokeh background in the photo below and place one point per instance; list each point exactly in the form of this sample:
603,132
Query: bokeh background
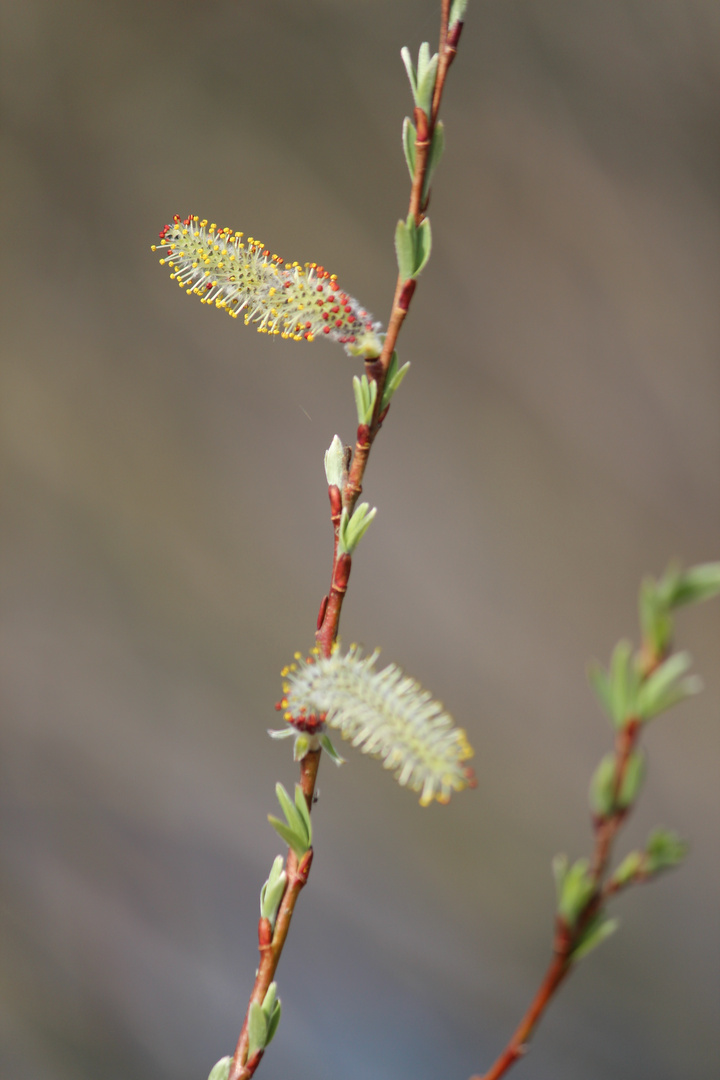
165,533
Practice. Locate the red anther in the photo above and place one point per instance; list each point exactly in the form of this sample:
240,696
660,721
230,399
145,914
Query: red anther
334,286
326,314
326,329
338,323
348,309
308,325
319,288
321,612
279,705
287,284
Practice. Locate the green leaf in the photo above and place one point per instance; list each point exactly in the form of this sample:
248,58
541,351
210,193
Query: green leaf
394,377
352,529
292,816
330,750
221,1069
426,82
272,891
666,687
664,849
695,585
407,61
302,808
457,11
365,391
602,787
409,135
437,146
270,1000
632,779
291,838
624,684
301,747
597,931
273,1022
655,620
405,248
628,868
577,890
257,1029
423,244
335,461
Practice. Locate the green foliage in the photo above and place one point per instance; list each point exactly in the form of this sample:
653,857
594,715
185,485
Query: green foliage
221,1069
394,377
365,391
412,246
598,930
457,11
352,529
272,891
664,850
666,686
574,886
263,1021
422,79
296,830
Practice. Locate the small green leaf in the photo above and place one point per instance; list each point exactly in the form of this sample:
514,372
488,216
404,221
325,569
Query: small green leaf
632,779
664,849
655,620
291,838
409,135
330,750
292,816
457,11
407,61
695,585
365,391
394,377
426,85
257,1029
273,1022
301,747
666,687
352,529
302,808
221,1069
628,868
624,684
270,1000
577,889
272,891
405,248
602,787
597,931
423,244
335,462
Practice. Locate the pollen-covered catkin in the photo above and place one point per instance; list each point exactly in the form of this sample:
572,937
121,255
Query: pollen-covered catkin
382,713
294,301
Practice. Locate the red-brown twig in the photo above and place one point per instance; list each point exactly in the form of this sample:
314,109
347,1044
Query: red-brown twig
376,369
271,942
566,939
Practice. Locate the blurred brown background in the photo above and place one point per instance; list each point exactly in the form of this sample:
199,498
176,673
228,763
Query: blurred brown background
165,534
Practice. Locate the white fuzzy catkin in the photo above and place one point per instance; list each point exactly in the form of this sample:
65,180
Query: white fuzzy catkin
382,713
294,301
